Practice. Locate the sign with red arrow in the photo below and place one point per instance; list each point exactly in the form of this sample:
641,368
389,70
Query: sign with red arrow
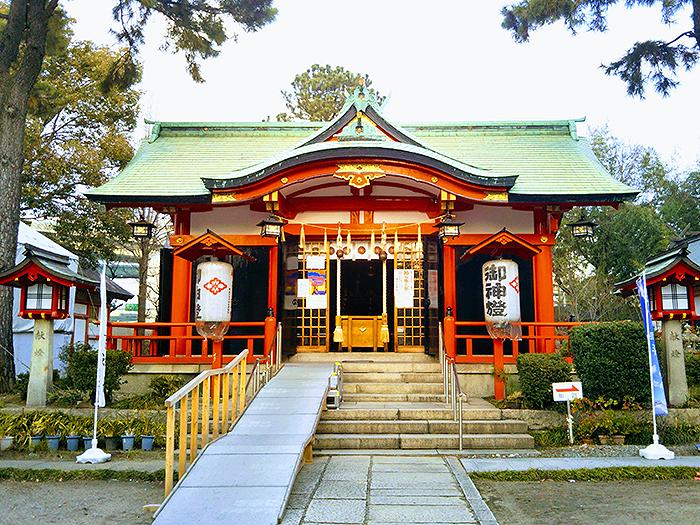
567,391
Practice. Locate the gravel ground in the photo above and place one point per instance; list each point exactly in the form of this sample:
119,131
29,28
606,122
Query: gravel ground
77,502
583,503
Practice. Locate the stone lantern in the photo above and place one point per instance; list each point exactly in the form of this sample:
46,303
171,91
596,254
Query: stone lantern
44,280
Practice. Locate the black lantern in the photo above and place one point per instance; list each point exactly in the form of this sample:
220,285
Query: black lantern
582,229
141,229
448,226
271,227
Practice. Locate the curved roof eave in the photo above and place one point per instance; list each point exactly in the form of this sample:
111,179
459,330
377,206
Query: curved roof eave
396,151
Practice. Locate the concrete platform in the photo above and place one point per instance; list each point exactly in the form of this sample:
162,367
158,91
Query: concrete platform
246,476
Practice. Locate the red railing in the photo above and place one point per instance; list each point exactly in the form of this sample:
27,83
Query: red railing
179,343
469,342
473,344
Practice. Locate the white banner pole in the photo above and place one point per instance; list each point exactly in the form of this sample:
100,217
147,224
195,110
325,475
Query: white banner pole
94,454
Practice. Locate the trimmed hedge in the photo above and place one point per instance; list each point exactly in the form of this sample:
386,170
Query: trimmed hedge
16,474
537,372
593,474
692,368
611,360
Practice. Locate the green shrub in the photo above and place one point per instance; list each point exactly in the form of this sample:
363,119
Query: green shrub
163,387
612,360
692,368
21,385
80,362
537,372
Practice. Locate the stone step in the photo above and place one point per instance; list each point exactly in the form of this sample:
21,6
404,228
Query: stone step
331,357
382,367
391,398
423,441
349,413
392,388
420,427
396,377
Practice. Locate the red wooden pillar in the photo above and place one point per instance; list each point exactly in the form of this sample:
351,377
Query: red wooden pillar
182,283
499,384
272,279
180,310
218,351
450,294
543,285
270,320
450,278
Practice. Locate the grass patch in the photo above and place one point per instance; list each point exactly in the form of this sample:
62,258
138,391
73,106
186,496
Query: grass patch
16,474
596,474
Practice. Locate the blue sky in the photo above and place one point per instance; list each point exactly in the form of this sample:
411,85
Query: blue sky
439,60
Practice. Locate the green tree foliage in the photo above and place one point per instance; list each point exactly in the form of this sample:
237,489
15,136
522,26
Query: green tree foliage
319,93
195,28
28,36
668,204
76,136
648,61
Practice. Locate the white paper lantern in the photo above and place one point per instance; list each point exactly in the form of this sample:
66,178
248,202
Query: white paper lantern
213,299
501,289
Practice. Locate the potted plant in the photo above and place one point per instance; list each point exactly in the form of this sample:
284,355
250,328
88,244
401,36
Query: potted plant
109,429
587,427
623,424
36,431
7,438
147,435
73,431
128,439
605,426
53,435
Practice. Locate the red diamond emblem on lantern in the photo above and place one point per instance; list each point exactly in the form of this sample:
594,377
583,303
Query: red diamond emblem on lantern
515,284
215,285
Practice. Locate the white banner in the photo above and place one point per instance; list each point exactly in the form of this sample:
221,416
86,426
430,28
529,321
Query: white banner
403,288
102,341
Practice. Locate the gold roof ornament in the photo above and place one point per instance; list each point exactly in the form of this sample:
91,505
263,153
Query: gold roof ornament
359,175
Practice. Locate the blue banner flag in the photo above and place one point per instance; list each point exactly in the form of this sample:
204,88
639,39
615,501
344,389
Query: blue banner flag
657,384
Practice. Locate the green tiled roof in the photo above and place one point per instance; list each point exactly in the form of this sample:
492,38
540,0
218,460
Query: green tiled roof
547,157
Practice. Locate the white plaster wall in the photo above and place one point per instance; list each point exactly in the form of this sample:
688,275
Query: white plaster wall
399,216
491,219
235,220
323,217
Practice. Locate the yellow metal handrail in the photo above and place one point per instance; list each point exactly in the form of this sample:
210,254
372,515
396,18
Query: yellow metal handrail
453,392
213,399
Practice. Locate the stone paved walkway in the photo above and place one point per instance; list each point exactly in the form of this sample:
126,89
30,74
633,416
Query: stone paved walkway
377,490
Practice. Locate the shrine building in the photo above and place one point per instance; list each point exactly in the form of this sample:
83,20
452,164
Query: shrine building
358,234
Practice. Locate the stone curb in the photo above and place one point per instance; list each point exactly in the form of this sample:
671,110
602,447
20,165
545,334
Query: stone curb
481,510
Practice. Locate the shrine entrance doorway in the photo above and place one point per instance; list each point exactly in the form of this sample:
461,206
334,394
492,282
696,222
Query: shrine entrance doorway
362,291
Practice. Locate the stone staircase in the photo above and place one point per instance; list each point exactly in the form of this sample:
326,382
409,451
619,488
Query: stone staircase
395,401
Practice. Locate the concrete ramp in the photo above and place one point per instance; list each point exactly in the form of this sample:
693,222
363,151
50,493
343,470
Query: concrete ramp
246,476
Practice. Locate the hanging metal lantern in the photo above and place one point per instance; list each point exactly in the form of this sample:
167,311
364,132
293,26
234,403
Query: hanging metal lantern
501,288
141,229
213,299
271,227
448,226
582,229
